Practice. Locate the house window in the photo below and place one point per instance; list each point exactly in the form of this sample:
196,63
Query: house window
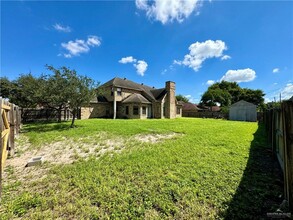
144,110
127,110
112,91
119,91
178,111
135,110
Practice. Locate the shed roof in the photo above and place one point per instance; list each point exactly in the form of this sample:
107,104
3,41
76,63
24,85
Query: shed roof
242,103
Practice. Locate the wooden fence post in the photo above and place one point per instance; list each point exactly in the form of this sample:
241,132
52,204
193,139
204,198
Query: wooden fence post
12,130
16,120
1,145
287,108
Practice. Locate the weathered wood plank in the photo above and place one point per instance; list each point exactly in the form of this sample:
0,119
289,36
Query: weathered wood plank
6,107
5,120
12,131
5,132
4,151
287,110
1,145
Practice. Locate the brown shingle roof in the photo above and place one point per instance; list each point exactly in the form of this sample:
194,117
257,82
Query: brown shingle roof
187,106
149,92
136,98
158,93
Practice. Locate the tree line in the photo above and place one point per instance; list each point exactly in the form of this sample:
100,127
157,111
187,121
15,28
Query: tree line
61,89
227,93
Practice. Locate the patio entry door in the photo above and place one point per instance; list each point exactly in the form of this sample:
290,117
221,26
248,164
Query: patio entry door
149,111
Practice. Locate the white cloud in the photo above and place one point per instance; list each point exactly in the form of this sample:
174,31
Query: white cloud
93,41
287,92
168,10
164,72
268,100
129,59
242,75
60,28
210,82
225,57
276,70
200,51
191,99
75,48
141,66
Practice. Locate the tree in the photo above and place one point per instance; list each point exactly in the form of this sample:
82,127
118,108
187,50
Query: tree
65,88
28,91
253,96
226,93
6,87
181,98
25,91
56,90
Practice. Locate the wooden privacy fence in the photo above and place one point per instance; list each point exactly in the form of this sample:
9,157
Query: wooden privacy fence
195,114
44,114
279,126
9,126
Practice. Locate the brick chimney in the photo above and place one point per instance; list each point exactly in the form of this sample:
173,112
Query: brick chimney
170,102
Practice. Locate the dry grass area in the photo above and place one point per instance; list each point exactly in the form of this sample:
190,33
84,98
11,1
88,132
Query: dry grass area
67,151
155,138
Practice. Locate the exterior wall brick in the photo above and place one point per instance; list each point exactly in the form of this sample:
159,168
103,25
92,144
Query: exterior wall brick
96,110
170,100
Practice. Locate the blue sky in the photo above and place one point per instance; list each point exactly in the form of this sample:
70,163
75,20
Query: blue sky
193,43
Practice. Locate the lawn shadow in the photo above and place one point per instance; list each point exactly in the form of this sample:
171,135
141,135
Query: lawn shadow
46,127
261,188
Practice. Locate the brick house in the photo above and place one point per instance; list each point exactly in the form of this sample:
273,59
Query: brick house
122,98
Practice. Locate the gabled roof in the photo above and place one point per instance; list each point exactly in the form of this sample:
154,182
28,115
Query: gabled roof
242,103
136,98
149,92
159,93
123,83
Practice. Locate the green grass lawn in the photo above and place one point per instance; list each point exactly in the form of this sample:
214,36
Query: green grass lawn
213,169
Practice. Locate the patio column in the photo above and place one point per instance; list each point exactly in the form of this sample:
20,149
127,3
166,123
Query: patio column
114,104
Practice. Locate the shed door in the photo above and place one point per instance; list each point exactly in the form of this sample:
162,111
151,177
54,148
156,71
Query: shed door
241,115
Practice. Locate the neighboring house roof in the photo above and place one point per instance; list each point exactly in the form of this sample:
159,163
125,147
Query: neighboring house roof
216,108
210,108
136,98
187,106
149,92
242,103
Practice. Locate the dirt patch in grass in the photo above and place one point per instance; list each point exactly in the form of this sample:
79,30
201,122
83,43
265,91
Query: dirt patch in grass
61,152
67,151
155,138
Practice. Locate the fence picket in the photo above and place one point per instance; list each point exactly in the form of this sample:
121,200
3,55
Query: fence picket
9,126
279,126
